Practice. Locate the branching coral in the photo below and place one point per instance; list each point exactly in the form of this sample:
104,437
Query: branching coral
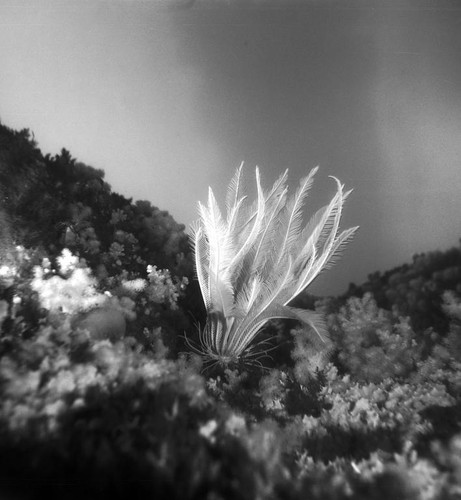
372,343
72,292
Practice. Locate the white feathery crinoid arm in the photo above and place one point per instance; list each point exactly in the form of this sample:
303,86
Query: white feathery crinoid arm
220,253
322,243
253,262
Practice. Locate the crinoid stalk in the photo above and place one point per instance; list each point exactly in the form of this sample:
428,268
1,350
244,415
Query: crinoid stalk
251,263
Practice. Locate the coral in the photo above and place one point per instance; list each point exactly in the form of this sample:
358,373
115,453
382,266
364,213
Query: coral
71,292
452,307
162,289
310,355
416,289
372,343
358,418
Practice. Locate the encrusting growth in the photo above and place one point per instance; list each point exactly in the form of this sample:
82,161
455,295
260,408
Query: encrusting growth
251,263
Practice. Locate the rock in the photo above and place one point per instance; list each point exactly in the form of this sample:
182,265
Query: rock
102,324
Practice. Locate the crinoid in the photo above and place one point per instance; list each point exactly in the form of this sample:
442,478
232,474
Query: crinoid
253,262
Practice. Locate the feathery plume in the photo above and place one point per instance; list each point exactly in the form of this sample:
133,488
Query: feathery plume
251,263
